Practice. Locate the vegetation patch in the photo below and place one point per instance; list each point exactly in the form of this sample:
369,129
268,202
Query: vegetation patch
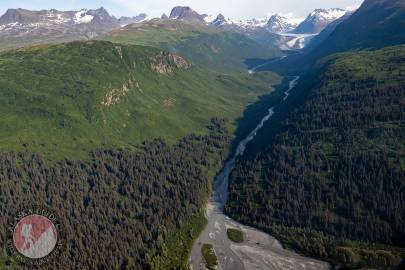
147,203
342,145
235,235
7,263
178,245
209,256
219,50
64,101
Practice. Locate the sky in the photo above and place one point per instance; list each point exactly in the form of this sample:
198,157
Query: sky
238,9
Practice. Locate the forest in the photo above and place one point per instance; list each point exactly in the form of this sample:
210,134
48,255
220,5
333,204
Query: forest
121,209
331,181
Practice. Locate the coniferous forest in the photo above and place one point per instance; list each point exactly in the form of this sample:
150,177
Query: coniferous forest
117,127
119,210
332,181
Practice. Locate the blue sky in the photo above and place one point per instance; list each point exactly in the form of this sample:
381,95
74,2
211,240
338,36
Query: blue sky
230,8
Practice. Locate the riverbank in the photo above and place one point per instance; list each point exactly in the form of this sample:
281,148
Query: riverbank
259,251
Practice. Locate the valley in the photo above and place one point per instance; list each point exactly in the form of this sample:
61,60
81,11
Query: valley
296,188
259,250
195,140
121,104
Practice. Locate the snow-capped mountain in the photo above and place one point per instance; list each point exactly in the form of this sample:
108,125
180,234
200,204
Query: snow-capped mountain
274,24
318,20
281,24
259,22
222,22
48,26
24,21
19,27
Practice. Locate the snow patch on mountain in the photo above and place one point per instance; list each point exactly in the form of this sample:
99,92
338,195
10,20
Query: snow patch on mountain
318,20
279,23
328,14
82,17
209,18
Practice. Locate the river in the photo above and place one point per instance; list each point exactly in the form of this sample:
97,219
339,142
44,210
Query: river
259,250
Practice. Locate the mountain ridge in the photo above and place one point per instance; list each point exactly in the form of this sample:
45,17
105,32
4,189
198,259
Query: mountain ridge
93,93
318,20
20,27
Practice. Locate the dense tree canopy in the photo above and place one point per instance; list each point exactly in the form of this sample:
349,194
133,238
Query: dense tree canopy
335,170
118,209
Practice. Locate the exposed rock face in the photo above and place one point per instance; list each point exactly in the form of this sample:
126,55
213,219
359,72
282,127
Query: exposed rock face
186,14
219,21
54,17
20,27
165,62
113,96
123,21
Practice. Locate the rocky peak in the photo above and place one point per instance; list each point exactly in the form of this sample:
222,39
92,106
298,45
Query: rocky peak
11,16
102,19
123,21
102,13
20,16
166,62
186,14
280,24
219,21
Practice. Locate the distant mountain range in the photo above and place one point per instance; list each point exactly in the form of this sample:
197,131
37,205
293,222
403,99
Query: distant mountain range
20,27
15,19
313,24
286,32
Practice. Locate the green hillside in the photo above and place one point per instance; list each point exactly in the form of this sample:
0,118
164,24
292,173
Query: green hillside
217,49
64,100
330,182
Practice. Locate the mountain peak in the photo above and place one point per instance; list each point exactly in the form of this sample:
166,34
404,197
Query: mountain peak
56,24
220,20
123,21
186,14
318,20
280,24
100,12
221,17
332,13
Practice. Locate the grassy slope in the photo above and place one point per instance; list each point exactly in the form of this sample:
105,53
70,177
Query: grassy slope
51,98
51,37
217,49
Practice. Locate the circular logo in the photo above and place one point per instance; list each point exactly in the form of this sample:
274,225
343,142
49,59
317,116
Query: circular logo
35,236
